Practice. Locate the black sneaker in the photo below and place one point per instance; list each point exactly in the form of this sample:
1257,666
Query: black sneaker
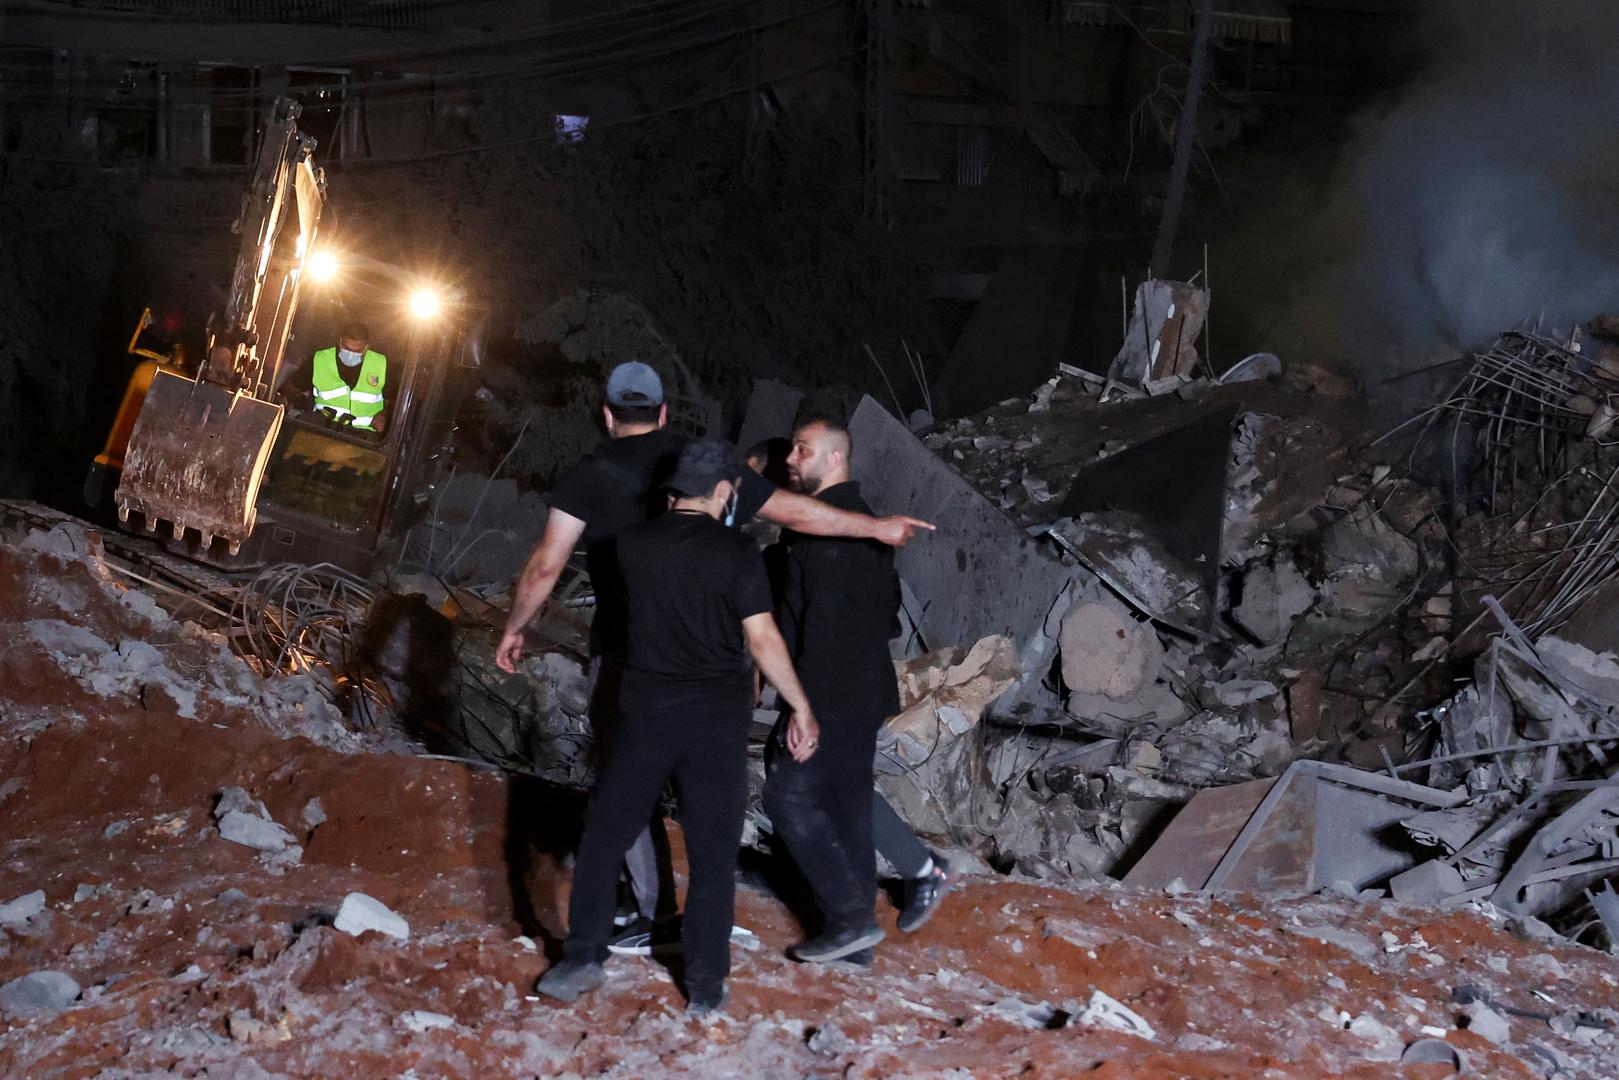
860,958
922,895
836,944
567,979
645,936
707,1004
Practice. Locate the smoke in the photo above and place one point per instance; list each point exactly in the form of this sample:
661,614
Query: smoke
1485,197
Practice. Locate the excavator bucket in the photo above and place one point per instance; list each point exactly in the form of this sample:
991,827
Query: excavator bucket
195,459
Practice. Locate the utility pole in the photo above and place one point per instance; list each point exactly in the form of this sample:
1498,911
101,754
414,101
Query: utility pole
879,108
1185,142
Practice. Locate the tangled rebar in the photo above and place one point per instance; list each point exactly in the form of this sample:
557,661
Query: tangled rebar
308,620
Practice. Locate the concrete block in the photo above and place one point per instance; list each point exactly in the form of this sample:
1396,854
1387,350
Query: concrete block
979,574
360,913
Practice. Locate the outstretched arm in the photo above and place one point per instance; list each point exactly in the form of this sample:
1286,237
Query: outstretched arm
770,653
540,574
816,518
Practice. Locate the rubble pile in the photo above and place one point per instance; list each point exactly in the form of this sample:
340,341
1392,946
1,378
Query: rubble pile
207,872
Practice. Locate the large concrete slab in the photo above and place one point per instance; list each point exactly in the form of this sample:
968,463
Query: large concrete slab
979,574
772,408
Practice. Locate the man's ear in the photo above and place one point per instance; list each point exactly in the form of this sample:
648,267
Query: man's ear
663,415
607,418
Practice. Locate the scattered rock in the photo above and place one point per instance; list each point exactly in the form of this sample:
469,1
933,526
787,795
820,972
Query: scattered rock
1487,1023
420,1020
244,820
251,1031
41,993
25,907
360,913
1104,1011
314,814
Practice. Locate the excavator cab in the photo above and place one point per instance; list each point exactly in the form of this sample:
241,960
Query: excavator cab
334,493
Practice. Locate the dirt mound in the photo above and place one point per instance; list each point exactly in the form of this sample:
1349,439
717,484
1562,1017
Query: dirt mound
207,958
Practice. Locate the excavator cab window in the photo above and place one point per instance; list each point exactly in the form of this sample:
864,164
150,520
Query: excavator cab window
328,477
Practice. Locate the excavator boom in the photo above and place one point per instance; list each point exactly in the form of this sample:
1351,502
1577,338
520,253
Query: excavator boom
199,447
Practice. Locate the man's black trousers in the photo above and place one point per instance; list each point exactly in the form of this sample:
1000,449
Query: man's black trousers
698,736
822,811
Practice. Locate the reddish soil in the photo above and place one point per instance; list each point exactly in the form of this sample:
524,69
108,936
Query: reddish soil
184,978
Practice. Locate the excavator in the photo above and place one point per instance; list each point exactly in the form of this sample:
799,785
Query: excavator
235,465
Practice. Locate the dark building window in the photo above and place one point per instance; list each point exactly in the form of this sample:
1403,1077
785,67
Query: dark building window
233,107
322,94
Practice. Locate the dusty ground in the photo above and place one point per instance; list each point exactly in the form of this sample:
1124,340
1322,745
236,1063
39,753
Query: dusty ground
200,958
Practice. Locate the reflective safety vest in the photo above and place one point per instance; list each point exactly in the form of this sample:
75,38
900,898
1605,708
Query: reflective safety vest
364,401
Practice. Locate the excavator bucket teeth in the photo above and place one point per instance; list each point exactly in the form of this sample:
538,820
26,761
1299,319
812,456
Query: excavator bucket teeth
196,457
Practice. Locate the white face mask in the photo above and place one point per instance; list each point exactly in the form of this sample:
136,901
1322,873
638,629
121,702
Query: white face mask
349,356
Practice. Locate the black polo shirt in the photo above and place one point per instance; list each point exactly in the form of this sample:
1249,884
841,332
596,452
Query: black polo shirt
617,485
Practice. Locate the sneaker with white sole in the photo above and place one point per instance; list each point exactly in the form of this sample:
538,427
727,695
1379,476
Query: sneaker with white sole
922,895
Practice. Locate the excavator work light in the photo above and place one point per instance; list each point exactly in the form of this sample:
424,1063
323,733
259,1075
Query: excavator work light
323,266
424,303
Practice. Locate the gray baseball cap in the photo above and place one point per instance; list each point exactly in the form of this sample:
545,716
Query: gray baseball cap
704,463
634,385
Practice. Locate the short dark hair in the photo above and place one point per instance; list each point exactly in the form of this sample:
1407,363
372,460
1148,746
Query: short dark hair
634,414
355,330
831,423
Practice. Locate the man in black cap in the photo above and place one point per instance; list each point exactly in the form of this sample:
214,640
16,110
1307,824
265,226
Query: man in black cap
698,604
617,485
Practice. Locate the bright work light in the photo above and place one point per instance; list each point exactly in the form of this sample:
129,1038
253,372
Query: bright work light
323,266
424,303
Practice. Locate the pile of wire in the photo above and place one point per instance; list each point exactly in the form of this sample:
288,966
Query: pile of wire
308,620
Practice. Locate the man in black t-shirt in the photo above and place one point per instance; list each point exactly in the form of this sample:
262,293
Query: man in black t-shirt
619,484
698,605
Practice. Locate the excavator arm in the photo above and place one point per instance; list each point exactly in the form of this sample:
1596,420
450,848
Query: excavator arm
199,447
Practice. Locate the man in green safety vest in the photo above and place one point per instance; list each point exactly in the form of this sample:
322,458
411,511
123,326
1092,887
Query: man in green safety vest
348,380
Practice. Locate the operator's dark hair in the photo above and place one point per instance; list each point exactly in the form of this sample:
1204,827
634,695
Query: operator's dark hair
355,330
634,414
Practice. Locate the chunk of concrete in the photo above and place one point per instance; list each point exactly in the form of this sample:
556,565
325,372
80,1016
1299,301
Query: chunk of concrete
40,993
1427,882
1235,693
1273,596
772,408
360,913
1106,651
1104,1011
25,907
979,574
1486,1023
258,833
420,1020
244,820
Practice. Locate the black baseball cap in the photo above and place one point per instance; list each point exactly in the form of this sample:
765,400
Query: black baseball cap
704,463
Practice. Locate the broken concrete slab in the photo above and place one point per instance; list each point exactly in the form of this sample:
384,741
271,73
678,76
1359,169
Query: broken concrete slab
1274,594
1315,826
1104,1011
772,407
1173,489
979,575
1427,882
244,820
1161,340
39,993
18,911
360,913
